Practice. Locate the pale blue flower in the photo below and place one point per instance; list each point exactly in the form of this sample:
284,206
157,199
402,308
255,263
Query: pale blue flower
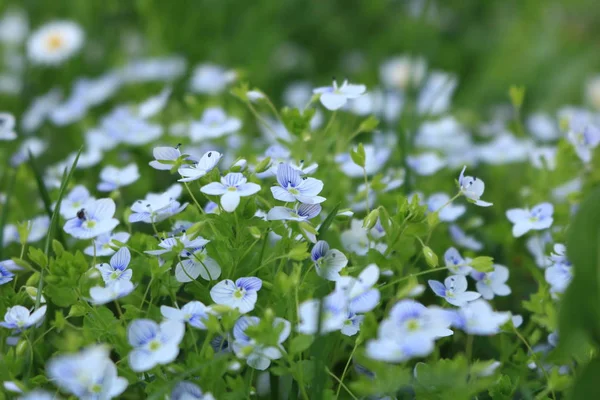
153,344
398,349
213,124
197,263
425,164
455,263
103,243
410,318
472,188
34,145
117,269
194,313
185,390
584,135
335,97
436,93
375,159
352,324
301,212
119,288
478,318
156,69
334,314
232,188
38,395
454,290
7,125
113,178
294,188
491,284
20,318
156,208
5,275
96,219
328,262
241,295
209,160
524,220
165,157
360,292
211,78
79,197
125,126
447,212
258,355
462,239
89,374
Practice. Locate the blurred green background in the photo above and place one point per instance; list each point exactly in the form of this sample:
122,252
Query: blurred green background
550,46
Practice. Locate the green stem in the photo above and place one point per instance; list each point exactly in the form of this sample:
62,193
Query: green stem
337,393
341,384
193,198
536,361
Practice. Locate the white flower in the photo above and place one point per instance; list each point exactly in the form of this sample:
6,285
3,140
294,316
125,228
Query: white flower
241,295
154,69
20,318
584,135
209,160
95,220
102,295
7,126
356,239
55,42
13,27
258,355
493,283
402,71
462,239
478,318
39,110
472,188
543,127
435,96
447,212
89,374
375,159
232,187
153,344
213,124
117,269
165,157
112,178
524,220
359,292
211,79
292,187
154,104
335,97
301,212
156,208
454,290
194,313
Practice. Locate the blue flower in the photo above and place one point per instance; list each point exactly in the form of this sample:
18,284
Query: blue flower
95,220
157,207
472,188
241,295
493,283
153,344
352,324
524,220
454,290
102,244
5,275
334,97
20,318
213,124
117,269
112,178
111,292
292,187
455,263
478,318
185,390
209,160
334,314
359,292
302,212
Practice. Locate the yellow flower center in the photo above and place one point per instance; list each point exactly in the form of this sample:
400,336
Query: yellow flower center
154,345
54,42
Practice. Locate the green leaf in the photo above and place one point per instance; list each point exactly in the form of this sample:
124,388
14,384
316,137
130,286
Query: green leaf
579,313
38,257
358,155
369,124
296,121
299,252
586,385
517,95
301,343
328,220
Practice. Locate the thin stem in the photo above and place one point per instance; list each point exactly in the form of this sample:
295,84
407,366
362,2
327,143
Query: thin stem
337,393
193,198
414,275
366,188
535,360
341,384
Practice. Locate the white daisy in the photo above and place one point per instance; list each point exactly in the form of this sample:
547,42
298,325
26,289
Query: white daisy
55,42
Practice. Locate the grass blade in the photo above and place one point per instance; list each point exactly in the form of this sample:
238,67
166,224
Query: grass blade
41,186
328,220
54,221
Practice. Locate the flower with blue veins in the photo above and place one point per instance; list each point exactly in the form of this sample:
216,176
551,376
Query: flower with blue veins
410,318
196,263
360,292
584,135
207,162
165,157
491,284
113,178
352,324
155,208
96,219
232,188
117,269
213,124
241,295
472,188
455,263
463,240
454,290
258,355
20,318
89,374
447,212
328,262
103,244
153,344
524,220
5,275
111,292
194,313
301,212
333,310
293,187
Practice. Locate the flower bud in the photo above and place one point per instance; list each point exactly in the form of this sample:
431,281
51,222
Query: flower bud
371,219
430,257
263,165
